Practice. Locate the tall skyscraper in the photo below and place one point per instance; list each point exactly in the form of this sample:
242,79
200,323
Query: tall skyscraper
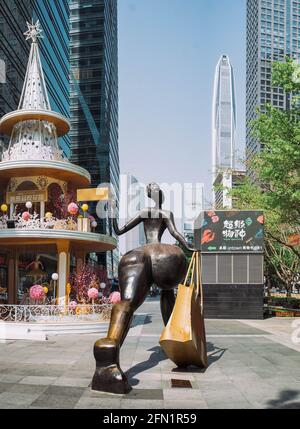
54,47
223,121
273,32
94,95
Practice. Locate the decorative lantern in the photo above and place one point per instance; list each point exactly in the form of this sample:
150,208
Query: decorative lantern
73,305
55,277
73,209
37,293
93,294
28,205
115,298
26,216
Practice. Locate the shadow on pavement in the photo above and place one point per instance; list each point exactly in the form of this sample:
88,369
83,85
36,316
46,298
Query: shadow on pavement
140,320
285,400
214,354
155,358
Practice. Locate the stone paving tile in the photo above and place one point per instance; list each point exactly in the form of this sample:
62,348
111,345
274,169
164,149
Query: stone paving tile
186,405
17,399
10,378
4,387
177,394
27,388
146,394
55,402
72,382
64,391
44,381
98,404
140,404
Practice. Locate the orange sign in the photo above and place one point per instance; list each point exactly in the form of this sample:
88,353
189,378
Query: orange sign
92,194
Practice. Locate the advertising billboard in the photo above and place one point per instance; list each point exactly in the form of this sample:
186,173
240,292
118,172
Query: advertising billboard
230,231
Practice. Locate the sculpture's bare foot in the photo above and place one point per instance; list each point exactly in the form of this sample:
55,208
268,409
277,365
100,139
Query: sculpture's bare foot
108,376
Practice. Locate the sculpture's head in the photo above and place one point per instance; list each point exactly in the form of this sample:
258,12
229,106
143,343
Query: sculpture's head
155,193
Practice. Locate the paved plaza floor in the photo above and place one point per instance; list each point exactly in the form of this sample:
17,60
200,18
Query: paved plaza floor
252,364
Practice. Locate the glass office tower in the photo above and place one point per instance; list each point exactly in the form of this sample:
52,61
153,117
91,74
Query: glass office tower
223,116
14,50
223,123
94,96
273,32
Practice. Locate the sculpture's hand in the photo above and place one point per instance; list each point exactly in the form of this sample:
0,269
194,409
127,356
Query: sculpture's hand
192,249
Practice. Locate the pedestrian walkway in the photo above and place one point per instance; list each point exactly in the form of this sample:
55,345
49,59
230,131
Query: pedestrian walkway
252,364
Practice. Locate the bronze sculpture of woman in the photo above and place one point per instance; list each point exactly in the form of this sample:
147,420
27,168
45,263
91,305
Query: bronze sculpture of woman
154,263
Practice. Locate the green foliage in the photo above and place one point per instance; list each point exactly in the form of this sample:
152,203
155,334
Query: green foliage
274,183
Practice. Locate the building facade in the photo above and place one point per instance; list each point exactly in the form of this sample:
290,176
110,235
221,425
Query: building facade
273,32
94,96
132,200
223,121
192,205
225,182
14,51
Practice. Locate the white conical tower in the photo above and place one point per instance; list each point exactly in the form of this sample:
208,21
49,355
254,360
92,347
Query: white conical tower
34,127
34,94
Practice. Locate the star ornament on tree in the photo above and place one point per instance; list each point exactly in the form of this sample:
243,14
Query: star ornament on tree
34,31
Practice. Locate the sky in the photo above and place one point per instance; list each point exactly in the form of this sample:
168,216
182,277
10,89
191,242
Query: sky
168,51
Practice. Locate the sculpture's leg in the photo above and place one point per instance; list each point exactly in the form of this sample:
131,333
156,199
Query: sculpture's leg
135,280
167,302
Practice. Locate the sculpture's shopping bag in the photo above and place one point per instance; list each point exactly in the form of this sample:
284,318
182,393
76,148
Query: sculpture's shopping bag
183,339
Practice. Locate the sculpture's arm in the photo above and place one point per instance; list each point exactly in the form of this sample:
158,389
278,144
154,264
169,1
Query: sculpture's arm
130,225
170,223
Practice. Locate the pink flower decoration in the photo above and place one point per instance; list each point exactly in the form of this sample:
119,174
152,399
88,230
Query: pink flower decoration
37,293
93,293
73,209
73,305
26,216
215,219
115,298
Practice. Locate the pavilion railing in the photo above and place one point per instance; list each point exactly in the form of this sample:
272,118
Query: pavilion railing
55,313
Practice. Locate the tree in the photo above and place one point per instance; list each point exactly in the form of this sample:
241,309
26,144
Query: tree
88,277
274,183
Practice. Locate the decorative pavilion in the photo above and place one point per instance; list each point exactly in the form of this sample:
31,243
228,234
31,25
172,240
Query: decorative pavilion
34,173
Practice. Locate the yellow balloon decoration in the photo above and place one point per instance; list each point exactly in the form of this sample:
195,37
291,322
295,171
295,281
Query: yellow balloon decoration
4,208
46,290
85,207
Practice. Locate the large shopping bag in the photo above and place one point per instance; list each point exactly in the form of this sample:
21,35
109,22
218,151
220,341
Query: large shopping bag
183,339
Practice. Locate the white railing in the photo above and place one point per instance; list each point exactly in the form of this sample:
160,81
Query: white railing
55,313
